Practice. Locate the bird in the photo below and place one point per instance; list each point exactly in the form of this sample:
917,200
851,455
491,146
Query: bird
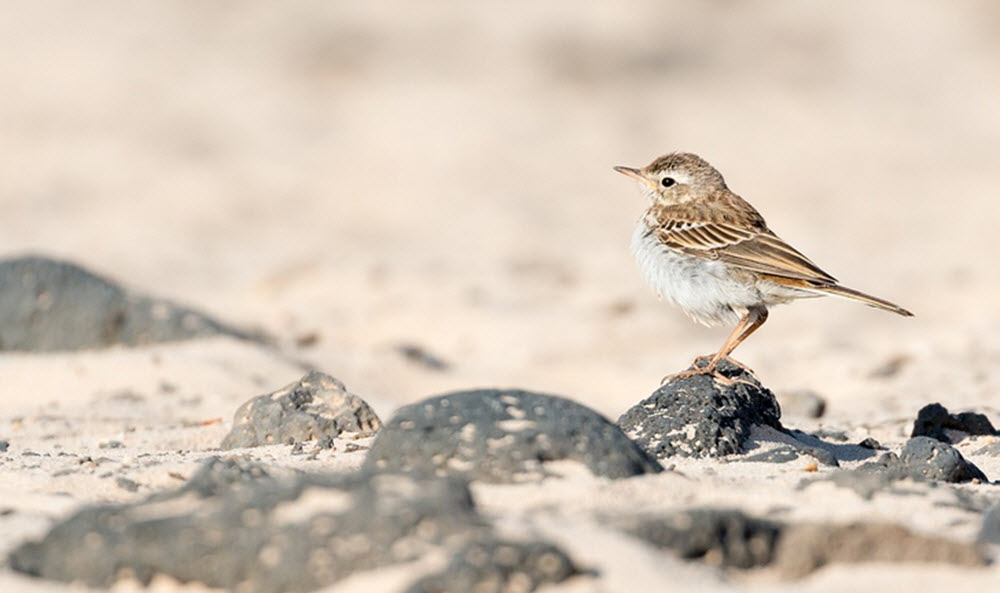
708,251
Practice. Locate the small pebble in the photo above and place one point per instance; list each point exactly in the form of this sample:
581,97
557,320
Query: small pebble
127,484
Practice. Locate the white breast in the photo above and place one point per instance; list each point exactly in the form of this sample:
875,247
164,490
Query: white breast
703,288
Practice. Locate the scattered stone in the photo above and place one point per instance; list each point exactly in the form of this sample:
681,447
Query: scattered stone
730,539
110,445
934,421
890,368
990,531
700,417
419,355
4,445
48,305
503,436
236,526
803,549
870,443
922,459
127,484
725,538
926,457
802,403
497,565
307,339
315,407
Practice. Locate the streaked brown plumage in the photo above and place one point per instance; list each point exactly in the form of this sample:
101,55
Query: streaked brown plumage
707,250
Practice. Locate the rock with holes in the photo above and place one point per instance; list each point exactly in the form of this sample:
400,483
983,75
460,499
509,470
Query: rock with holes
921,459
924,457
315,407
240,526
499,565
702,416
499,435
50,305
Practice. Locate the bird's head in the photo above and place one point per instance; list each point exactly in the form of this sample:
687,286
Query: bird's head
676,178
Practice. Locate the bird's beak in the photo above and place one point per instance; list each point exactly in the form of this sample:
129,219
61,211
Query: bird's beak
635,174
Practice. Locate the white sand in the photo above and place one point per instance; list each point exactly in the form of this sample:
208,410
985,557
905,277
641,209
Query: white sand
440,174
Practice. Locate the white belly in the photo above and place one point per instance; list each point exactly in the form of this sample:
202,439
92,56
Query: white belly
704,289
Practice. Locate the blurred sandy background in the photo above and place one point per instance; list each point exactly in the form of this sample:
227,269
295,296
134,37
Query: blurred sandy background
438,174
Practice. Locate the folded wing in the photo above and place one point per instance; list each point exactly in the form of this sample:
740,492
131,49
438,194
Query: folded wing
758,251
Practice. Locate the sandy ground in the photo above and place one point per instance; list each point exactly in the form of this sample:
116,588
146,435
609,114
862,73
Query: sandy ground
368,176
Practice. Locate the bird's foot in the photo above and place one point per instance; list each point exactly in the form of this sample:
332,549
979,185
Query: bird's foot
698,362
703,366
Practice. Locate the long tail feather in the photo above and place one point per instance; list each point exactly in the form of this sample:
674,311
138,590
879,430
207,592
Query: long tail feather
850,293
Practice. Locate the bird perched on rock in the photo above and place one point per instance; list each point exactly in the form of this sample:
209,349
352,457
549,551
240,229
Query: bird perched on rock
708,251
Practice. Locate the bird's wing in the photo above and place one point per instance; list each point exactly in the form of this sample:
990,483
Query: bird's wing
755,250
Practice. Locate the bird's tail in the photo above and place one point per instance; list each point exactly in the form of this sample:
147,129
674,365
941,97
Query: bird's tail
855,295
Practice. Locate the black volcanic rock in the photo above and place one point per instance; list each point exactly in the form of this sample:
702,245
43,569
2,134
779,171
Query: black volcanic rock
498,435
700,416
499,565
921,459
48,305
316,407
730,539
726,538
924,457
237,525
933,421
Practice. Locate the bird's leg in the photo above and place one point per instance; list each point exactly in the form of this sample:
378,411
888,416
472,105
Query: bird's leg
754,318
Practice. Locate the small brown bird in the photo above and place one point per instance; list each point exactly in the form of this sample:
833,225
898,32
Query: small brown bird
705,249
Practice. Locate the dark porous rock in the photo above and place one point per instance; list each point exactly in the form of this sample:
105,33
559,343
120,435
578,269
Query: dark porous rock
922,459
804,403
315,407
698,416
48,305
990,531
238,526
498,435
725,538
497,565
805,548
935,422
934,460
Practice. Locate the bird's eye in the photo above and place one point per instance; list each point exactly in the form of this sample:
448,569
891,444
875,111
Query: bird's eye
667,181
